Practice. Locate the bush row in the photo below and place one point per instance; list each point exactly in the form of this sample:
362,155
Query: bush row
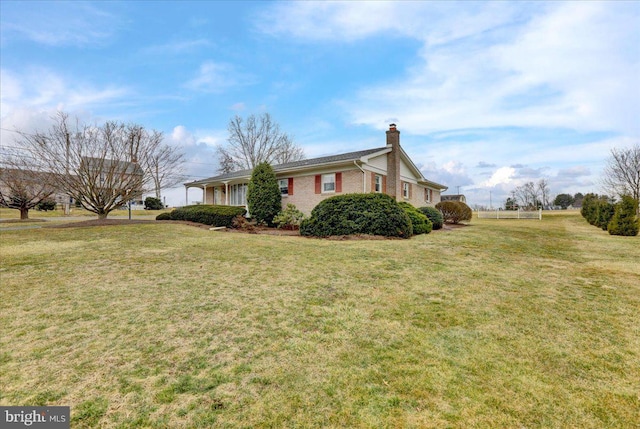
618,219
205,214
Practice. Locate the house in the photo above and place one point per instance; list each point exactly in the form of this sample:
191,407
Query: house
459,197
387,169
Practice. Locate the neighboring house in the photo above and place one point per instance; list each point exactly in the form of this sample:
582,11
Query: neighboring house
305,183
460,198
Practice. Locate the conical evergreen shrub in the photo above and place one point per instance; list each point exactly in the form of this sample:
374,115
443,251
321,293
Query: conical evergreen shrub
624,221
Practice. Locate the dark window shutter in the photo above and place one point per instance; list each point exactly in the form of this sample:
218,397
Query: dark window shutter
338,182
290,185
318,183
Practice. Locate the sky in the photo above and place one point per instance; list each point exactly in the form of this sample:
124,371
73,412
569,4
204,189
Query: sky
487,95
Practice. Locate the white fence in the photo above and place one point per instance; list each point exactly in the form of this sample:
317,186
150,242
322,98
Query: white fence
510,214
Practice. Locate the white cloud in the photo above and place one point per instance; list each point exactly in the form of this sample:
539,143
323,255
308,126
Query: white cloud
59,23
502,176
218,77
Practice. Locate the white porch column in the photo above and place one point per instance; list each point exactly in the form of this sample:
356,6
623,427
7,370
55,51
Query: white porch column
204,194
226,193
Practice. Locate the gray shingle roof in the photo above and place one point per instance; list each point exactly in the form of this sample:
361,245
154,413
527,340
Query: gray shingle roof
295,164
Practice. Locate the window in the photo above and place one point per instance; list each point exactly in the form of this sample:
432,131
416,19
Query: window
428,195
329,182
378,183
238,195
284,187
405,190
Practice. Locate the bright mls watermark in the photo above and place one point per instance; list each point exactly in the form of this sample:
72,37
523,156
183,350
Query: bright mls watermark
35,417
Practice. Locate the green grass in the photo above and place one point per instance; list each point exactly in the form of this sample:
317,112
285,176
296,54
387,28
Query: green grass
500,324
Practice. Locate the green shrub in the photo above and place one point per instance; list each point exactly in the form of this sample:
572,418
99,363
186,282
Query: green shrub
46,205
597,210
421,224
375,214
433,215
454,211
151,203
289,218
624,221
205,214
263,194
605,211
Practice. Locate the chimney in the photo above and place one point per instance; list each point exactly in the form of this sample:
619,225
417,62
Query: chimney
394,185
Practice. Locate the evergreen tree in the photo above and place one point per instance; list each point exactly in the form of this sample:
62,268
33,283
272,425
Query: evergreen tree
263,194
624,221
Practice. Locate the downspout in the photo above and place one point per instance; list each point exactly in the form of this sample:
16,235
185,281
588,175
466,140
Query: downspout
364,177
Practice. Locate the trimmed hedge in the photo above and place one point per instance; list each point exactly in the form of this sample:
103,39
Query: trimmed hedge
454,211
375,214
433,215
205,214
421,224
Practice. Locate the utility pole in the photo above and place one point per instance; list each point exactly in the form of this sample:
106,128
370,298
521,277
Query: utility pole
67,209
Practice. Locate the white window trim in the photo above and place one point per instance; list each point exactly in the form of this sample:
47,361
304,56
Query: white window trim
323,182
377,184
405,190
286,181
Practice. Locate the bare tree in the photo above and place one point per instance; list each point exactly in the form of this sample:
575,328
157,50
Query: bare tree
164,164
622,173
254,141
23,182
544,192
103,166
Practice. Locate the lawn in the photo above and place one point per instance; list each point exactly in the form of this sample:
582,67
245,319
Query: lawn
503,323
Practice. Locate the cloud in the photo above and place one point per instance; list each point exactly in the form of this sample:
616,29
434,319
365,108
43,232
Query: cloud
501,176
178,47
59,23
496,64
483,164
40,88
218,77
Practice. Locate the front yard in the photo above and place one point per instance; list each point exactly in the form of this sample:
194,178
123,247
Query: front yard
499,324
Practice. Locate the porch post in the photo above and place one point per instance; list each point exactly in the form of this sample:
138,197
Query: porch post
204,194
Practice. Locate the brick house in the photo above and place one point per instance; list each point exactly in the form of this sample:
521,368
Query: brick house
387,169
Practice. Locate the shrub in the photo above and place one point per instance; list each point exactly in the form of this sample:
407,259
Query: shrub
376,214
624,221
151,203
289,218
205,214
604,213
263,194
454,211
433,215
421,224
46,205
241,222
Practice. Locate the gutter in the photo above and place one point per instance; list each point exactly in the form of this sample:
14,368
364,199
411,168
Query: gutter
364,177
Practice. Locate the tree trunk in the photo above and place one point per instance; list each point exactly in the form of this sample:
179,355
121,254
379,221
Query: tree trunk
24,213
102,215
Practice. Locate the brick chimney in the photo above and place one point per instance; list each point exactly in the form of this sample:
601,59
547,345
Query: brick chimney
394,186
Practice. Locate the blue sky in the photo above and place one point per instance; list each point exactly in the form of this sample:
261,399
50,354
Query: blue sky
487,95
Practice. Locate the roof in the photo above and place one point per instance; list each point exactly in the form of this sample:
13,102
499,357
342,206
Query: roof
344,157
